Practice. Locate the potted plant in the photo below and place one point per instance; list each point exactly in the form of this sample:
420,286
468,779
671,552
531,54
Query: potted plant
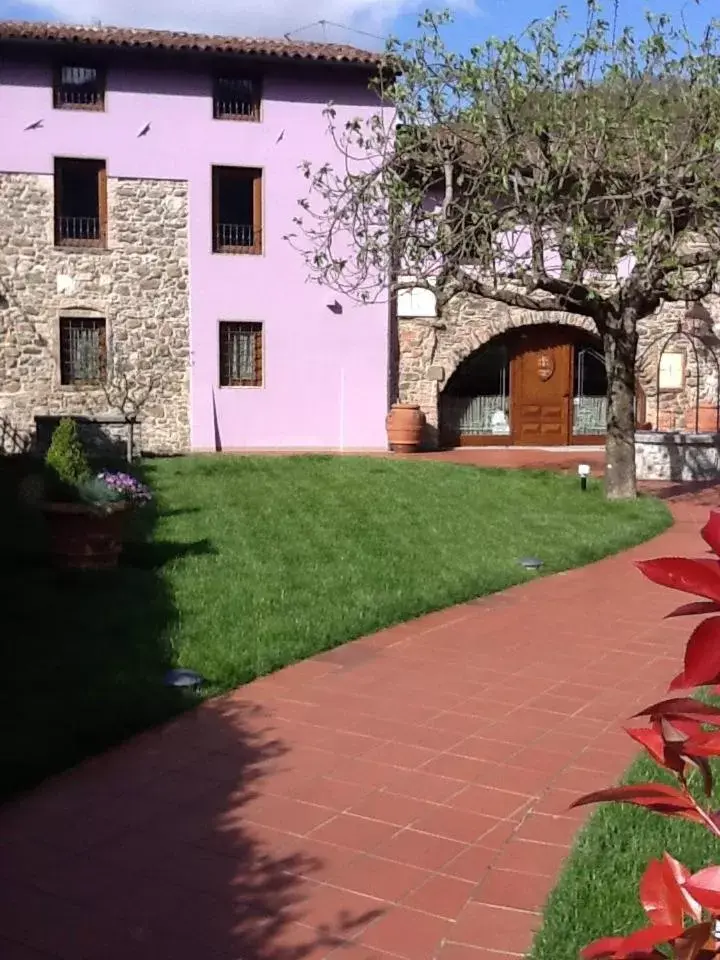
85,511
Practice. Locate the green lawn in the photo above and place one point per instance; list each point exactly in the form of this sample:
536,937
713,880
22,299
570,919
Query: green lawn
597,894
245,565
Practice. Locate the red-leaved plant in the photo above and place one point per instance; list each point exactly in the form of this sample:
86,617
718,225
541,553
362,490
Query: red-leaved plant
683,733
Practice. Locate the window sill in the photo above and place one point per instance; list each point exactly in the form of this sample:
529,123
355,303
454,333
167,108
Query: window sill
236,118
241,386
239,251
83,108
84,387
79,247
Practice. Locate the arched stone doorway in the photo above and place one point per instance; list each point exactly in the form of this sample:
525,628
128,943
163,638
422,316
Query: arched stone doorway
539,385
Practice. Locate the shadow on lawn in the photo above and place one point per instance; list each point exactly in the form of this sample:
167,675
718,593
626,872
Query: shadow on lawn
156,848
82,655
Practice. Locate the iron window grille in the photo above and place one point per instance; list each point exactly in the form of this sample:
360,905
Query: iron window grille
236,98
78,87
80,203
83,351
241,354
237,210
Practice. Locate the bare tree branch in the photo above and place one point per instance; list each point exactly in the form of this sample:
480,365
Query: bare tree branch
128,389
514,298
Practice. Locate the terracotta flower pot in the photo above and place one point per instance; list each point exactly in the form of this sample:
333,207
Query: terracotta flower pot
83,537
405,424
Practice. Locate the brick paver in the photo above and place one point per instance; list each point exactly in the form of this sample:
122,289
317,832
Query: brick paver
402,796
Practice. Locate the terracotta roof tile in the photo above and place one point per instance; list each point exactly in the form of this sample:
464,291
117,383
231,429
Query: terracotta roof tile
126,37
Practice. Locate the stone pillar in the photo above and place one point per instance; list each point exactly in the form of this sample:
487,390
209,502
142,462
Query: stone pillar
417,346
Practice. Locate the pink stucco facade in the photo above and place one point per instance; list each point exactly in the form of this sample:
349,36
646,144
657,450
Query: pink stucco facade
325,382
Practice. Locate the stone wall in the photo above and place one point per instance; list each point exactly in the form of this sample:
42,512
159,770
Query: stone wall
677,407
139,284
677,457
431,349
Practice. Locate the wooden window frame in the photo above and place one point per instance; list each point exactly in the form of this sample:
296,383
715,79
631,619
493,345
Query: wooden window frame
59,104
98,323
100,168
247,173
253,327
255,113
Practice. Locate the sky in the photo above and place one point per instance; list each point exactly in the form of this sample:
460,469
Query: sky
360,22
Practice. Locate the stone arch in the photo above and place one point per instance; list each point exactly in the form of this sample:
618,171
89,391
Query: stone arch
471,325
82,311
430,351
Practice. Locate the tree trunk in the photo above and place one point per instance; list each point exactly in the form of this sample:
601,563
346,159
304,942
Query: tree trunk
620,342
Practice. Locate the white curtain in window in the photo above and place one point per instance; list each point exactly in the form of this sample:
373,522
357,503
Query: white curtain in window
85,353
242,355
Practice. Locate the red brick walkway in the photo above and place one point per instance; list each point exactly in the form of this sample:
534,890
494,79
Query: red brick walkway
404,796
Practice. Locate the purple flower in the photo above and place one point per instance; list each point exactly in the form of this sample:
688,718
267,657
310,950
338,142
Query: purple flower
129,488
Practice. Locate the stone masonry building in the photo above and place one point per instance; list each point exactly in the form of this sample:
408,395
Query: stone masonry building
148,180
483,365
137,289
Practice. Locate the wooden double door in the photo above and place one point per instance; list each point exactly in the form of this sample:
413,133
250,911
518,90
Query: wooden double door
527,388
541,387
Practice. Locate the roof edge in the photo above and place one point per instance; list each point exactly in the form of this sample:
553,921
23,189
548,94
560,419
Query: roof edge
174,42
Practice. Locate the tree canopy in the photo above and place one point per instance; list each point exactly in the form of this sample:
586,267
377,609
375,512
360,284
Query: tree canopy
578,175
528,168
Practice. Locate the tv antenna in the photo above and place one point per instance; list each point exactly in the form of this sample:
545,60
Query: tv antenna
331,23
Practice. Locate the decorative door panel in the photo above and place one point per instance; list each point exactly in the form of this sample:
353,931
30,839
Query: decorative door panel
541,376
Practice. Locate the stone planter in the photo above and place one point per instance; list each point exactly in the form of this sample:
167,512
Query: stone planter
405,424
84,537
678,457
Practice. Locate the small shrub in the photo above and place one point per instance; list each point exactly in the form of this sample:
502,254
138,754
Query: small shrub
95,492
66,460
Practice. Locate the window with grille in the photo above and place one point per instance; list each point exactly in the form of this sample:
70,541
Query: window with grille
241,358
80,203
237,210
83,351
78,87
236,98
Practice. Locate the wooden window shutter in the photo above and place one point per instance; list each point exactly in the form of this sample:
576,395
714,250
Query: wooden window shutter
258,344
103,203
258,212
58,186
215,207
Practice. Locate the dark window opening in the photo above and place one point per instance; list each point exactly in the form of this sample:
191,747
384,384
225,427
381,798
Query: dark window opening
476,400
237,210
236,98
241,357
590,373
484,373
83,351
589,392
79,88
80,203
